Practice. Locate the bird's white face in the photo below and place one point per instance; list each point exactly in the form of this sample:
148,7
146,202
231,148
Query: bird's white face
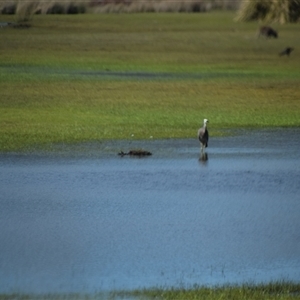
205,121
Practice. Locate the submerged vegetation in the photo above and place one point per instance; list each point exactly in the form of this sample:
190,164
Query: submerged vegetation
73,78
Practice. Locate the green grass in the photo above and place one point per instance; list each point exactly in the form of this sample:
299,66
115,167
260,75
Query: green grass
56,83
271,291
263,291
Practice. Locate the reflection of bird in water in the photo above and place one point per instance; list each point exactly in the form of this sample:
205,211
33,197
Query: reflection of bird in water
203,135
203,157
287,51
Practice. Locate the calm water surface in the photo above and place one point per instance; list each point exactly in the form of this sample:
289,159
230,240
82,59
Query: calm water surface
83,219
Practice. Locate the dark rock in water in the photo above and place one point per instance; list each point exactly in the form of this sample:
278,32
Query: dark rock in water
138,153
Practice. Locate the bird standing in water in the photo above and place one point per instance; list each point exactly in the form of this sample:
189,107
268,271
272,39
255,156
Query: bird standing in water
203,135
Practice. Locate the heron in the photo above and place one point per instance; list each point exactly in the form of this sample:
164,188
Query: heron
203,135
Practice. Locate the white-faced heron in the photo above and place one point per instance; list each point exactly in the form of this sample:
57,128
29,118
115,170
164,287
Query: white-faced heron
203,135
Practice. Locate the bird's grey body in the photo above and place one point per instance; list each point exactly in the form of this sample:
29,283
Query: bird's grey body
203,135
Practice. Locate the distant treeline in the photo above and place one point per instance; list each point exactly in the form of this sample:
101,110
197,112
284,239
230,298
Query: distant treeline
30,7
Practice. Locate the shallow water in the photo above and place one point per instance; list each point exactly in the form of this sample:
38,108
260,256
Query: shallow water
47,72
83,219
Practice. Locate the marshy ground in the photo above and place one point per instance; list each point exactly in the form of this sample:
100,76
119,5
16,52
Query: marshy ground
94,77
73,210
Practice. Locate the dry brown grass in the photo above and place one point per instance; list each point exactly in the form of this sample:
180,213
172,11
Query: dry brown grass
133,6
154,6
281,11
24,10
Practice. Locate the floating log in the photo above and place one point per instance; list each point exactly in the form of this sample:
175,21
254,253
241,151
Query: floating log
138,153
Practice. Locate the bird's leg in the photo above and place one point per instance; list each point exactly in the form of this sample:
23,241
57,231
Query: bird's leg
201,147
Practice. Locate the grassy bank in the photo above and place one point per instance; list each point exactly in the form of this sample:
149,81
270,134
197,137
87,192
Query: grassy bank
269,291
92,77
263,291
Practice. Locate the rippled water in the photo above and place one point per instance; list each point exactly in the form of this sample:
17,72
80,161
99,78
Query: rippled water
83,219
